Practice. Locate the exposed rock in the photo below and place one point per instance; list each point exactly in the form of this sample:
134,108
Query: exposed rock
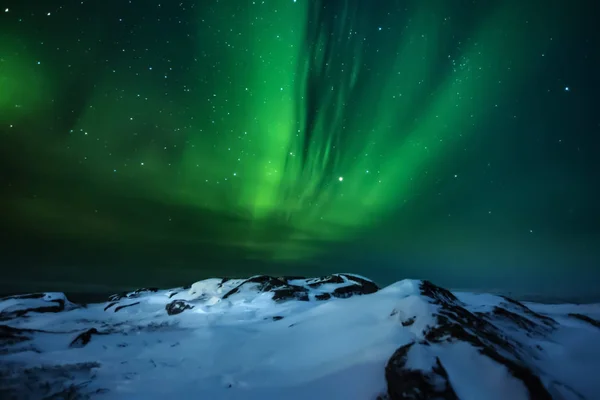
355,281
292,278
109,305
537,317
284,291
456,323
61,381
265,283
223,280
352,290
316,282
412,384
177,307
126,305
10,335
323,296
438,294
137,292
585,318
368,286
35,302
132,295
84,338
290,293
117,296
439,327
518,321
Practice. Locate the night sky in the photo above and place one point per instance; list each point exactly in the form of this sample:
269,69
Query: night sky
150,142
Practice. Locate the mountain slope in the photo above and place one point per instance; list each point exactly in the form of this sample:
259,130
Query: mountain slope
335,337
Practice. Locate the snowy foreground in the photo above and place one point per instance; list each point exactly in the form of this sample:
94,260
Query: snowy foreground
336,337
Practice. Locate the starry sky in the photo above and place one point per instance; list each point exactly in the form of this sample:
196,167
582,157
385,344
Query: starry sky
153,142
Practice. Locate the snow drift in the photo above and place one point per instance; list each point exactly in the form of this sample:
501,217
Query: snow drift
335,337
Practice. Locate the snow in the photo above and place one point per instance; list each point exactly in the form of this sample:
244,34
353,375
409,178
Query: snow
49,299
247,346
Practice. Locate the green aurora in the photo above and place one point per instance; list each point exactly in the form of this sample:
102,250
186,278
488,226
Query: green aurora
270,130
321,157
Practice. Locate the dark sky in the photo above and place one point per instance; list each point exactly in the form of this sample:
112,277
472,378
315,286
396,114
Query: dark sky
158,143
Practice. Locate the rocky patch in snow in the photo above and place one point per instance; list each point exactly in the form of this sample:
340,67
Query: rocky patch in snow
64,381
23,305
265,337
585,318
454,324
278,289
299,288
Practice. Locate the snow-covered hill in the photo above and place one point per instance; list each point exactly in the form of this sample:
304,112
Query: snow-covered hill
336,337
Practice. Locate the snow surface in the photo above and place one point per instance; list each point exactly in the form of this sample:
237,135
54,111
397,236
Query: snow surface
247,346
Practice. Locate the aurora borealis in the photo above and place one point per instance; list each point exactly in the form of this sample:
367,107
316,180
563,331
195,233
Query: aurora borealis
227,137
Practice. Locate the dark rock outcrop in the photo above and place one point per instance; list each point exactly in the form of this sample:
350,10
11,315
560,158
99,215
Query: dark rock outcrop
53,305
367,285
265,284
109,305
413,384
585,318
84,338
223,280
323,296
10,335
316,282
62,381
132,295
454,323
290,292
177,307
126,305
353,290
283,290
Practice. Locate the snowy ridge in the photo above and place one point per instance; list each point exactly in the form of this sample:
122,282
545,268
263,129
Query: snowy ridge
334,337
